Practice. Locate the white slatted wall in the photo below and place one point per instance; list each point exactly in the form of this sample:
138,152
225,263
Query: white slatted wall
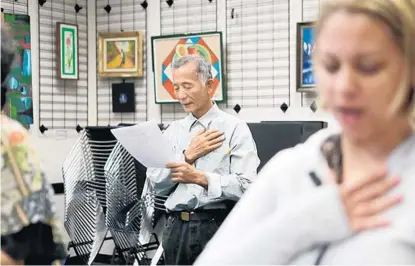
185,16
63,104
126,15
14,7
258,53
310,13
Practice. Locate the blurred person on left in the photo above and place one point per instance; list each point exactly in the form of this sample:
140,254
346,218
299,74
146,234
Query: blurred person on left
30,230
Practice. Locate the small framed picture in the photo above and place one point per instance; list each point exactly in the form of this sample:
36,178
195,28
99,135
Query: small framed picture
67,50
123,97
120,54
305,48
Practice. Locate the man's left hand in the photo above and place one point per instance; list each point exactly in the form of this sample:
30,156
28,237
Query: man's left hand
182,172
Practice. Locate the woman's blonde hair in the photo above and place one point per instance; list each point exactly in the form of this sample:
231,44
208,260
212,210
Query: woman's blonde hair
399,16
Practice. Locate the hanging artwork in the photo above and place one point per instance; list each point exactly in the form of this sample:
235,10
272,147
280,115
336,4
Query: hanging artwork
167,49
19,104
67,50
305,47
123,97
120,54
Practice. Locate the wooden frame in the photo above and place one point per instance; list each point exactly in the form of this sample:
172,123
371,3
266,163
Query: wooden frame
165,51
120,54
67,55
305,46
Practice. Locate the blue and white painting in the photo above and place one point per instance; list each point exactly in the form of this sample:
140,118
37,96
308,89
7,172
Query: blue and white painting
307,76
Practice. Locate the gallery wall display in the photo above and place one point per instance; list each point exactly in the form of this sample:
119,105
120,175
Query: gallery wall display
168,48
120,54
305,47
67,50
19,104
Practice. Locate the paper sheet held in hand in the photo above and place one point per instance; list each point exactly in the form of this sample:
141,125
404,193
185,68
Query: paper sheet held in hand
146,143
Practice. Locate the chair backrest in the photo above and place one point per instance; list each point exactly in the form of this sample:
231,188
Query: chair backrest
81,204
124,206
84,184
101,143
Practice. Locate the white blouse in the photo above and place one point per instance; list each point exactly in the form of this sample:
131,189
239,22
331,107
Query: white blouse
284,218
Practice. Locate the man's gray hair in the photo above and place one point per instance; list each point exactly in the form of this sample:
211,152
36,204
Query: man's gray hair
203,67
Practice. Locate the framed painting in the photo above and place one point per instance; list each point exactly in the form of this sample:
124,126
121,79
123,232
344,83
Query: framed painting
67,50
305,47
168,48
120,54
19,104
123,97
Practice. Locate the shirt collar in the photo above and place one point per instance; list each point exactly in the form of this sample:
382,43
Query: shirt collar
205,119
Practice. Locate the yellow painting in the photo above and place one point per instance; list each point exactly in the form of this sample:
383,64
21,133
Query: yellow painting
120,54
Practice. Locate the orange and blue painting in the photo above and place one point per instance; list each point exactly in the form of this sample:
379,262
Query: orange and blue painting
168,49
19,104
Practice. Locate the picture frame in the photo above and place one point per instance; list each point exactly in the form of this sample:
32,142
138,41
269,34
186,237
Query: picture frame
120,54
123,97
168,48
67,55
305,46
19,100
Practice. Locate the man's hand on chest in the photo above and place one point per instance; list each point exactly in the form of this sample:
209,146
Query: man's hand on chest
203,143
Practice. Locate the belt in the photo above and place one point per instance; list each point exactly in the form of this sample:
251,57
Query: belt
199,215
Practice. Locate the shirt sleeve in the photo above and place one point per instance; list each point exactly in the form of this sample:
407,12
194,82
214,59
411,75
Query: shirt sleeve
243,167
260,231
160,177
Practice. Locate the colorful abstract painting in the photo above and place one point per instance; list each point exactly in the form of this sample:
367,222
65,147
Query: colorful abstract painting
167,49
19,104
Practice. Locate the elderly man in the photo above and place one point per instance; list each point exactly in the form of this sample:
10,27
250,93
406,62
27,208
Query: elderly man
219,161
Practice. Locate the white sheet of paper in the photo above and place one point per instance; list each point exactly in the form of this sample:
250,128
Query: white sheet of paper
146,143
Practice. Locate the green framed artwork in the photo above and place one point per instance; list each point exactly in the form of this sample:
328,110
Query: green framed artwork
67,50
167,49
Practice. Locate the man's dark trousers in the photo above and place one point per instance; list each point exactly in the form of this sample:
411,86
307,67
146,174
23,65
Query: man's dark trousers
185,235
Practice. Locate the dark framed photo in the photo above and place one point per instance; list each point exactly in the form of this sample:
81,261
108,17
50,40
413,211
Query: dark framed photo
67,50
305,48
167,49
123,97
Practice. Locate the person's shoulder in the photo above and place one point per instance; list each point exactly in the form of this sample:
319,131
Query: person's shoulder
178,124
317,139
288,170
16,141
232,120
13,133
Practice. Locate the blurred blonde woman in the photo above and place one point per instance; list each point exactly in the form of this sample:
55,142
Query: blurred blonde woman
347,196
